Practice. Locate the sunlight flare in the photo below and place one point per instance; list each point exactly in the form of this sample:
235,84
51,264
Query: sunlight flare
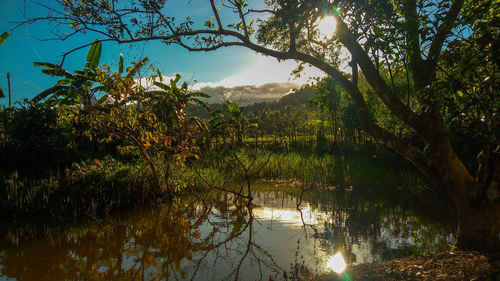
327,26
336,263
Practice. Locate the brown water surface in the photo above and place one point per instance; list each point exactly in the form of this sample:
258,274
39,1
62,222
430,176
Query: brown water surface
216,239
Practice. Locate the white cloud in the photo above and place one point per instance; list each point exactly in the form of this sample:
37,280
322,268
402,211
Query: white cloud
248,94
264,70
266,79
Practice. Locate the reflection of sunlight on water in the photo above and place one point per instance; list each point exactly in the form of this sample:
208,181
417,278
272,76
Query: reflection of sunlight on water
290,217
336,263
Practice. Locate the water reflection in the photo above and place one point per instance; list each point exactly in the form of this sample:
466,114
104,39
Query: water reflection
220,238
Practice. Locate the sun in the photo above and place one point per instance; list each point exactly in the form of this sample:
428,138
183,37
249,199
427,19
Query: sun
327,26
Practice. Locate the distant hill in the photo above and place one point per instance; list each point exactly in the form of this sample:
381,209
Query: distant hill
294,98
248,94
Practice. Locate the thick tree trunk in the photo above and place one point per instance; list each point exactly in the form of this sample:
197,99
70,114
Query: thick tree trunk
476,202
478,229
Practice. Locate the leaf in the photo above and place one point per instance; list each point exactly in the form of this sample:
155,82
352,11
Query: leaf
47,65
177,78
234,108
1,93
202,104
162,86
57,72
199,95
65,81
120,65
136,67
91,52
3,37
95,55
49,91
159,75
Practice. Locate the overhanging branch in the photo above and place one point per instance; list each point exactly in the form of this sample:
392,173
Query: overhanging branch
443,31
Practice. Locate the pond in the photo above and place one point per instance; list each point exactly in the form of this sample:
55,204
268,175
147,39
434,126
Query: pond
216,236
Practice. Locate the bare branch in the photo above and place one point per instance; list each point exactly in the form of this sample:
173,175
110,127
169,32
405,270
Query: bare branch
260,11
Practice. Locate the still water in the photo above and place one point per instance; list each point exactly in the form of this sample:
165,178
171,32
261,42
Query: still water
215,237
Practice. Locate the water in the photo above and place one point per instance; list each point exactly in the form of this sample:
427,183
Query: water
215,237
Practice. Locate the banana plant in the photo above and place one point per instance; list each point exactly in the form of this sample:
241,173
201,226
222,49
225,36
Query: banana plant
231,119
74,88
169,100
179,96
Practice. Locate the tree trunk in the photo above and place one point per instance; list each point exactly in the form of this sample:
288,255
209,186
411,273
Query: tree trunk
478,229
476,202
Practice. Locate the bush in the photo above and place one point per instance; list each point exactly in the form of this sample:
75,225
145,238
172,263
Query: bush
32,141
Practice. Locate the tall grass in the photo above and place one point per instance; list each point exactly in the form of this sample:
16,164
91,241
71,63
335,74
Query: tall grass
344,170
93,187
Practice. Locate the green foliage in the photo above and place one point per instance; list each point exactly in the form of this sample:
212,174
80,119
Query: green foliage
153,123
358,168
148,129
33,141
75,88
95,187
94,55
229,122
469,86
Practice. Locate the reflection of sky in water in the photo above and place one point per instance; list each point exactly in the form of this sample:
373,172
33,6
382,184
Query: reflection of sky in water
290,217
219,243
277,233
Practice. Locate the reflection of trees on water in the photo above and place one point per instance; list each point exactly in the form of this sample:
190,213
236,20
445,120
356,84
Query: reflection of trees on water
367,227
215,239
180,241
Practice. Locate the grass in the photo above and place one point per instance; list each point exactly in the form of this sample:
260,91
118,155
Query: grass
94,187
345,170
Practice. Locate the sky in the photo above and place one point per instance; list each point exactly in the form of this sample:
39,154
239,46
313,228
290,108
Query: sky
236,73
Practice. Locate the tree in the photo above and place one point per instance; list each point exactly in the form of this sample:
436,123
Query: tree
152,122
408,36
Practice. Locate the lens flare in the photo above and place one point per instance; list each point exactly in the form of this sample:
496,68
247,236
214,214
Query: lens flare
336,263
336,11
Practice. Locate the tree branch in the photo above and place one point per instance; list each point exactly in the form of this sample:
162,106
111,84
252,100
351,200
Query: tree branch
411,26
443,31
376,81
216,15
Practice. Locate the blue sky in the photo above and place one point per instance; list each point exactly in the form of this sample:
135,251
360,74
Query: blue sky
227,68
